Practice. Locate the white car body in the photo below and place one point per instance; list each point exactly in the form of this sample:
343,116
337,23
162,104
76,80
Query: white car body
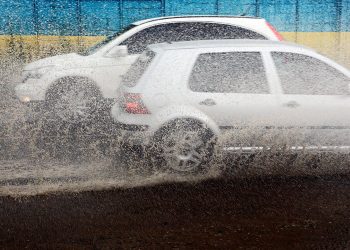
323,120
104,67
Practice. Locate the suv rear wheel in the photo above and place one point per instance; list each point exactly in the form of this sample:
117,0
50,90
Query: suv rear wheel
183,148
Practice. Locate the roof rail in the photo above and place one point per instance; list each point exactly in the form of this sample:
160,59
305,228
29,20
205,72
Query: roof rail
191,16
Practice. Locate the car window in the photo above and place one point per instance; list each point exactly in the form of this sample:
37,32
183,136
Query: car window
173,32
233,72
305,75
137,69
91,50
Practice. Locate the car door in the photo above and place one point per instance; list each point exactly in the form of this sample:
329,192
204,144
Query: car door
315,102
232,89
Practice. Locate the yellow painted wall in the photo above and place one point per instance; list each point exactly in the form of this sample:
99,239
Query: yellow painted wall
34,47
333,44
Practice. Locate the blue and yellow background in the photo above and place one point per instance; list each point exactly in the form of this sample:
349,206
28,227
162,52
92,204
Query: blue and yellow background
40,25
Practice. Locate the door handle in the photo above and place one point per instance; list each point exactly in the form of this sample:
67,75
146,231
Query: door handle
208,102
291,104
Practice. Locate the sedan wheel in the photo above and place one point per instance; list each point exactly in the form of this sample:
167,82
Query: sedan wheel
184,149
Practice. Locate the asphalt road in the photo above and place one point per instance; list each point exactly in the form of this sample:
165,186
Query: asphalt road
222,213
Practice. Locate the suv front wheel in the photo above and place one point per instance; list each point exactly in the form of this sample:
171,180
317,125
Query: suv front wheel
183,148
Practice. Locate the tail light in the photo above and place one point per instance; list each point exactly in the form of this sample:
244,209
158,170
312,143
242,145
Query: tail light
274,31
133,104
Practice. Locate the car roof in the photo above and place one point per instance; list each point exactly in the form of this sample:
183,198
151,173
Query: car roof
224,43
196,17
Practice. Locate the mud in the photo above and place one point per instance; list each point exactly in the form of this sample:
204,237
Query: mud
225,212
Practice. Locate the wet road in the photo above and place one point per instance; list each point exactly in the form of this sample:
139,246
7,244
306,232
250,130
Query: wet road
225,212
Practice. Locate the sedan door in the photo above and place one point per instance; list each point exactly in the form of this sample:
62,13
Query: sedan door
315,101
232,89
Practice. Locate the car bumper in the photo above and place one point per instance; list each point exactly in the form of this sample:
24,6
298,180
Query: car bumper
35,110
36,106
31,91
134,134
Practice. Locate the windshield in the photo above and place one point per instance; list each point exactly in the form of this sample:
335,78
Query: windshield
91,50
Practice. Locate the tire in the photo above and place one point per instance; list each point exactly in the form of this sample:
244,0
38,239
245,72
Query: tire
74,100
183,147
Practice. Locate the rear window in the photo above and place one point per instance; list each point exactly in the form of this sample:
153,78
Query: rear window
133,75
232,72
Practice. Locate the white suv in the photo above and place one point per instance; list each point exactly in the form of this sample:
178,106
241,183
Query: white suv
73,84
180,99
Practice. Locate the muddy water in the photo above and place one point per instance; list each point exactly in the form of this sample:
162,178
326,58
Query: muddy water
23,178
41,159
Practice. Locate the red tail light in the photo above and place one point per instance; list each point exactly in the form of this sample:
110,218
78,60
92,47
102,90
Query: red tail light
133,104
278,35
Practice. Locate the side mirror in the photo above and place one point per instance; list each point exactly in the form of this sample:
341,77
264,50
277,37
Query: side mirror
118,51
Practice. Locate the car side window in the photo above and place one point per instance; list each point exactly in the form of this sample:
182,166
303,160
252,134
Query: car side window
304,75
229,72
188,31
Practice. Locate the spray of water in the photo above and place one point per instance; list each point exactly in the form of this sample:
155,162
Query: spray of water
43,155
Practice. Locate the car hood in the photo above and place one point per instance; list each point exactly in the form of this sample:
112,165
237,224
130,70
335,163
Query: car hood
66,60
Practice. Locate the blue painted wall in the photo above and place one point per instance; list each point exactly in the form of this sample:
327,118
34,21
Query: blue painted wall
102,17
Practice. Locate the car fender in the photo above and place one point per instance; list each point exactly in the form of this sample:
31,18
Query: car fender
56,75
175,112
37,89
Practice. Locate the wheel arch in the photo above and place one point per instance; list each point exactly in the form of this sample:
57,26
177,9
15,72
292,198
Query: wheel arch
188,120
70,79
177,112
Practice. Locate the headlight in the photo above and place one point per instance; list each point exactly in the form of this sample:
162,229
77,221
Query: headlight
36,73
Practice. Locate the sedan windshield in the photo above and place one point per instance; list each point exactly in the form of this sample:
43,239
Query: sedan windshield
91,50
